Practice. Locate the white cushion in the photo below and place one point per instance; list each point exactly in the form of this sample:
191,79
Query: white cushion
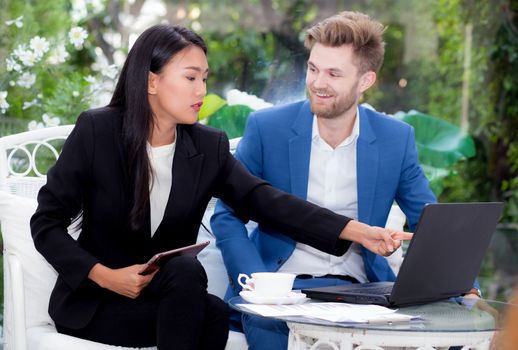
47,338
38,276
211,258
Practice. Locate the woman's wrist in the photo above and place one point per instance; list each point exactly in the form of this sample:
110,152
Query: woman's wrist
354,231
99,274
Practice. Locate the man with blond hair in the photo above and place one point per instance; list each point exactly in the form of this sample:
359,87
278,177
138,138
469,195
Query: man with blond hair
332,152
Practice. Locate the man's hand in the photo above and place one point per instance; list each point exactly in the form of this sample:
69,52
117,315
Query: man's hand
473,293
378,240
125,281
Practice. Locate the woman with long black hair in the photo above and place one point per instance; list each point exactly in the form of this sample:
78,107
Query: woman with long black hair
139,173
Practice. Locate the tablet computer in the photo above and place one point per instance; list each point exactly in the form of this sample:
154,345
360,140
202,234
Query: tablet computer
160,258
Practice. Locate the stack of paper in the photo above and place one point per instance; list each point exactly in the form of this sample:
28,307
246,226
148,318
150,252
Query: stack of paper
333,312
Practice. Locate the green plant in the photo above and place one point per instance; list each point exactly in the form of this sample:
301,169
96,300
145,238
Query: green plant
230,115
440,145
48,76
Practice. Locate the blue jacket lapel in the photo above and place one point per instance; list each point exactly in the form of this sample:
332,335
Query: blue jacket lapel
300,150
367,155
366,168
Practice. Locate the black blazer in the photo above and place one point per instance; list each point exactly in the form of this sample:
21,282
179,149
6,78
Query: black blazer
90,177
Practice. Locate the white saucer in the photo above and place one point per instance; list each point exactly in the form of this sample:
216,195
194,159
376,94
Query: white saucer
291,298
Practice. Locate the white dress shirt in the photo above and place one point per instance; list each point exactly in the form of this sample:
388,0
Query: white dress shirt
161,160
332,185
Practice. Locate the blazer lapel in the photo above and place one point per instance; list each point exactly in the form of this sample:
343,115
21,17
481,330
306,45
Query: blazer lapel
366,168
367,155
186,172
300,150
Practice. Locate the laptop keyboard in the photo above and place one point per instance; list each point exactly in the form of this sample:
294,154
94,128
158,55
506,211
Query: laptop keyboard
379,290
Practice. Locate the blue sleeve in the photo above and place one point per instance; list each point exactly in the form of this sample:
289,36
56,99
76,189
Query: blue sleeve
413,190
239,253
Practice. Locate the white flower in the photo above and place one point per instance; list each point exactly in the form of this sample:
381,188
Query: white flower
26,56
109,71
3,101
49,120
26,80
19,51
29,104
100,61
12,65
77,36
90,79
94,84
58,55
78,11
82,8
101,65
97,5
236,97
39,45
17,22
34,125
12,83
29,58
75,93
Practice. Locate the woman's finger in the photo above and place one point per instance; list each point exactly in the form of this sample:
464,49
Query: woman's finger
402,236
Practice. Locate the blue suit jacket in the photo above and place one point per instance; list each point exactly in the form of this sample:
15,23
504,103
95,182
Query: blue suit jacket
276,146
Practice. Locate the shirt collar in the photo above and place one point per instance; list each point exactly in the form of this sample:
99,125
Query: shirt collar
315,135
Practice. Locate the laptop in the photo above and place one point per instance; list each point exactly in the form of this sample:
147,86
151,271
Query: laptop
442,260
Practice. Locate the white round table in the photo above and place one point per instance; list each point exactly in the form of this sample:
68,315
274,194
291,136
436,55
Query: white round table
463,322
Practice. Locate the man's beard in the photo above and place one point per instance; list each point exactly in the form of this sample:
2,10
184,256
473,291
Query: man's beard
340,105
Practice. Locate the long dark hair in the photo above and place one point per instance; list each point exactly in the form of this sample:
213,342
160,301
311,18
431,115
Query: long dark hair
151,52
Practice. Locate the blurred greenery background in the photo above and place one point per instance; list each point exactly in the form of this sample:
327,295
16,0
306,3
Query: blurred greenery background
452,60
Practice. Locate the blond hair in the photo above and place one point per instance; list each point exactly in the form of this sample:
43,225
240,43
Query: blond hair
351,28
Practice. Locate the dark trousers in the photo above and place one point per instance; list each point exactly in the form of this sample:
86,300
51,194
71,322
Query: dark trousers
173,312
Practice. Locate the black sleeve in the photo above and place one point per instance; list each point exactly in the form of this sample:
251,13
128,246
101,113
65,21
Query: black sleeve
255,199
60,200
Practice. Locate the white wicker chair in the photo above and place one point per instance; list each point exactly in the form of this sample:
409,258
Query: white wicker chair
28,278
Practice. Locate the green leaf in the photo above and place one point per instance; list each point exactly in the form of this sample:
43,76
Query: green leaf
435,176
211,103
440,143
231,119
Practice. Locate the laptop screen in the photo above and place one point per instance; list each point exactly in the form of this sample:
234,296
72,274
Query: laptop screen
446,252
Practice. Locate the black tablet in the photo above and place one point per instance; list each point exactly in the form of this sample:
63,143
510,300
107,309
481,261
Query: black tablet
160,258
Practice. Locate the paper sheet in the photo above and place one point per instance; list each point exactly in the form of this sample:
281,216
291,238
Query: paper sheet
333,312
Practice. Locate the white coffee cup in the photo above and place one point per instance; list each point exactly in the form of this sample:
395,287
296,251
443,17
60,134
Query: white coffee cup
268,284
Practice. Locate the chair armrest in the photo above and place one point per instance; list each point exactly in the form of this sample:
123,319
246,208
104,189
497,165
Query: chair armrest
18,302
